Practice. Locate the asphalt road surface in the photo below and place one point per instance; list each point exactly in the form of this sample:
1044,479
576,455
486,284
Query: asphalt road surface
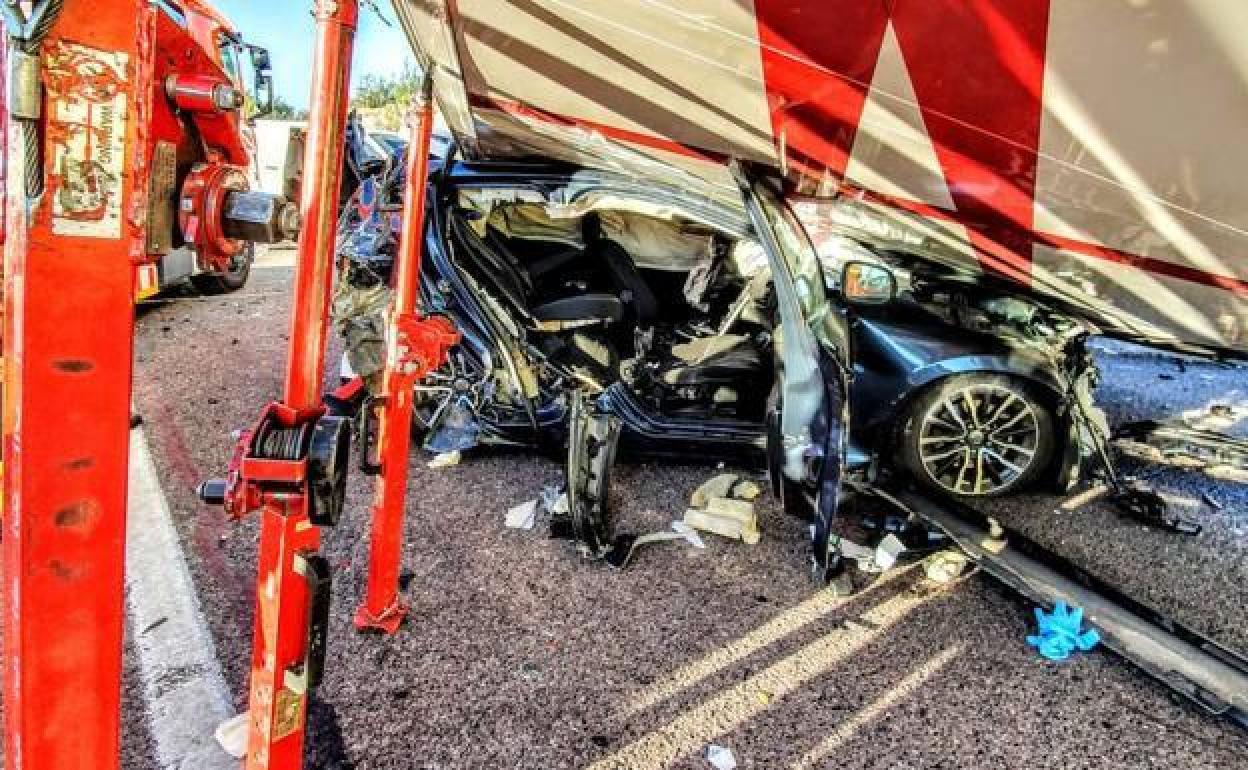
518,654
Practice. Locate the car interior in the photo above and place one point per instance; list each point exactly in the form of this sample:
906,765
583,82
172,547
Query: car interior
611,289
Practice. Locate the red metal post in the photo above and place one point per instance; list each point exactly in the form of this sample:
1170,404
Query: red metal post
322,172
68,338
415,346
279,689
288,539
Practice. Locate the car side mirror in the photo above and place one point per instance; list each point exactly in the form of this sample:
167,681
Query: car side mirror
866,283
262,66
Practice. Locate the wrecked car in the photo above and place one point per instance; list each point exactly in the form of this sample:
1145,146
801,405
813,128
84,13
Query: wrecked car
601,313
620,255
614,239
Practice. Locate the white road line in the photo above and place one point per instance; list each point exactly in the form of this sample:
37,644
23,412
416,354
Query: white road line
185,692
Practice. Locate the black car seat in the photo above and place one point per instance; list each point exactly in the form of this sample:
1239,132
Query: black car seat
505,273
633,289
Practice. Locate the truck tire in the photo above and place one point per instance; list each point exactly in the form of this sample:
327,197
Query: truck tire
231,280
976,436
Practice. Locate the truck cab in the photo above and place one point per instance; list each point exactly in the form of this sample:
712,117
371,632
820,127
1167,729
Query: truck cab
202,151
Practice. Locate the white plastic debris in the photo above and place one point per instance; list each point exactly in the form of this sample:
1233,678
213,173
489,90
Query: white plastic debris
231,735
734,519
727,485
522,516
721,757
859,553
445,460
945,566
690,534
554,499
887,551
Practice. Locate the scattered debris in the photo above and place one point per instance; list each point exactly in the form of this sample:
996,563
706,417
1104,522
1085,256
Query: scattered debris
859,553
554,499
1144,504
1217,454
530,671
1058,633
944,567
690,534
624,546
1089,495
231,735
721,757
887,551
733,519
445,460
728,485
881,558
522,516
724,505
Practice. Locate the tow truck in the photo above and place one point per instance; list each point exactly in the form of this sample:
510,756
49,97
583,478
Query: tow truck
1003,168
204,150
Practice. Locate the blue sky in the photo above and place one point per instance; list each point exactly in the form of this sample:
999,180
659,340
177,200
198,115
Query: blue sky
285,27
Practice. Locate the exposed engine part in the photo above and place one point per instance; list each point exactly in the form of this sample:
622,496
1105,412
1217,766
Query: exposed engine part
1091,434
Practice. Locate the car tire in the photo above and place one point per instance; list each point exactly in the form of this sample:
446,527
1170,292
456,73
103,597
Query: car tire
231,280
977,436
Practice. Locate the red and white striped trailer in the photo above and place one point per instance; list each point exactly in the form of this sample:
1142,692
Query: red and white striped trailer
1090,149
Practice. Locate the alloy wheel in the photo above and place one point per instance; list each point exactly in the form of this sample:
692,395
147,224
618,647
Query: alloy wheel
979,439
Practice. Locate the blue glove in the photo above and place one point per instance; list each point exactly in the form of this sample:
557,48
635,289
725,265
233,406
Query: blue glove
1059,633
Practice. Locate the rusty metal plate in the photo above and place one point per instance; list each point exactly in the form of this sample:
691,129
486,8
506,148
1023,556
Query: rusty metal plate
162,198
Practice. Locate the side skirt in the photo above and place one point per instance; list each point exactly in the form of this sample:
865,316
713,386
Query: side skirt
1212,676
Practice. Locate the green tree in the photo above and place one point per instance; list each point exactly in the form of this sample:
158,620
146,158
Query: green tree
282,110
378,91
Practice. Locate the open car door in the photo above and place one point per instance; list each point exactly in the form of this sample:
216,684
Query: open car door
809,421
